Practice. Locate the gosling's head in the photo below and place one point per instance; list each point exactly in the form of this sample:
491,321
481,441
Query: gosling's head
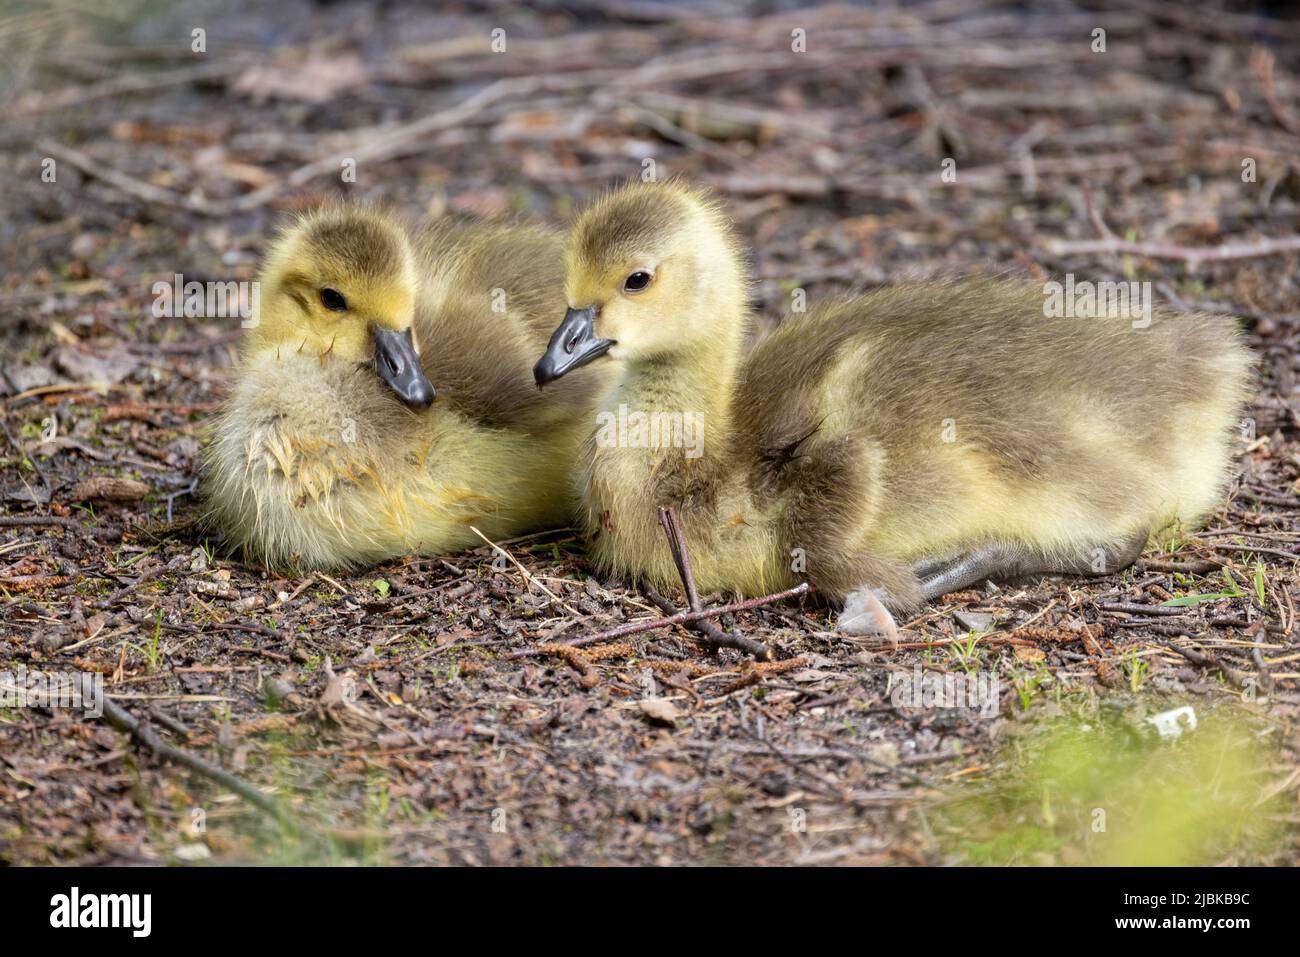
651,272
340,283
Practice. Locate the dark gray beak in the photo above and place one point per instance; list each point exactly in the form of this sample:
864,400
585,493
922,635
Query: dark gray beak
572,345
398,364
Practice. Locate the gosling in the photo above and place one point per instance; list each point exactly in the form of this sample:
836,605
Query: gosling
890,448
331,451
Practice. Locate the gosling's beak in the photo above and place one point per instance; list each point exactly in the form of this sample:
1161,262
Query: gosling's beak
398,364
573,344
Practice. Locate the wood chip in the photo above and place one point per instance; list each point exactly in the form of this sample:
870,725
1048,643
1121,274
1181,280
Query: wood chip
108,489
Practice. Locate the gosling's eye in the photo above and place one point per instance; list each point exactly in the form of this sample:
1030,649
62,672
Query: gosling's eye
333,300
638,281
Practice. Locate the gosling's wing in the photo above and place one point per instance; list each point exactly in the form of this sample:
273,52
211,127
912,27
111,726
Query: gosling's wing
781,394
1020,380
983,363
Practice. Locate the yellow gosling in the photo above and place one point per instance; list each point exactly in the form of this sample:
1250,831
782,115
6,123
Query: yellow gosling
383,403
889,448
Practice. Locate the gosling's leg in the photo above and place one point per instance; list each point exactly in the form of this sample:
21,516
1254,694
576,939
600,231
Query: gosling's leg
927,567
1003,560
995,560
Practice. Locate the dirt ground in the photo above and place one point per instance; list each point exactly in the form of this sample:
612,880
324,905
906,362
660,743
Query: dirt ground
379,713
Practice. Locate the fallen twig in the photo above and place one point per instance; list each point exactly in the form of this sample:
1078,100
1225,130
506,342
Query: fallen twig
1257,549
146,192
146,576
187,490
681,557
123,720
23,521
714,636
129,82
1235,677
1129,608
1183,568
1193,255
22,452
987,640
681,618
529,577
372,147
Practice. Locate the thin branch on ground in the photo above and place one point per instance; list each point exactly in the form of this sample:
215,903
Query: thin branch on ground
681,618
1192,255
715,638
121,719
25,521
529,577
